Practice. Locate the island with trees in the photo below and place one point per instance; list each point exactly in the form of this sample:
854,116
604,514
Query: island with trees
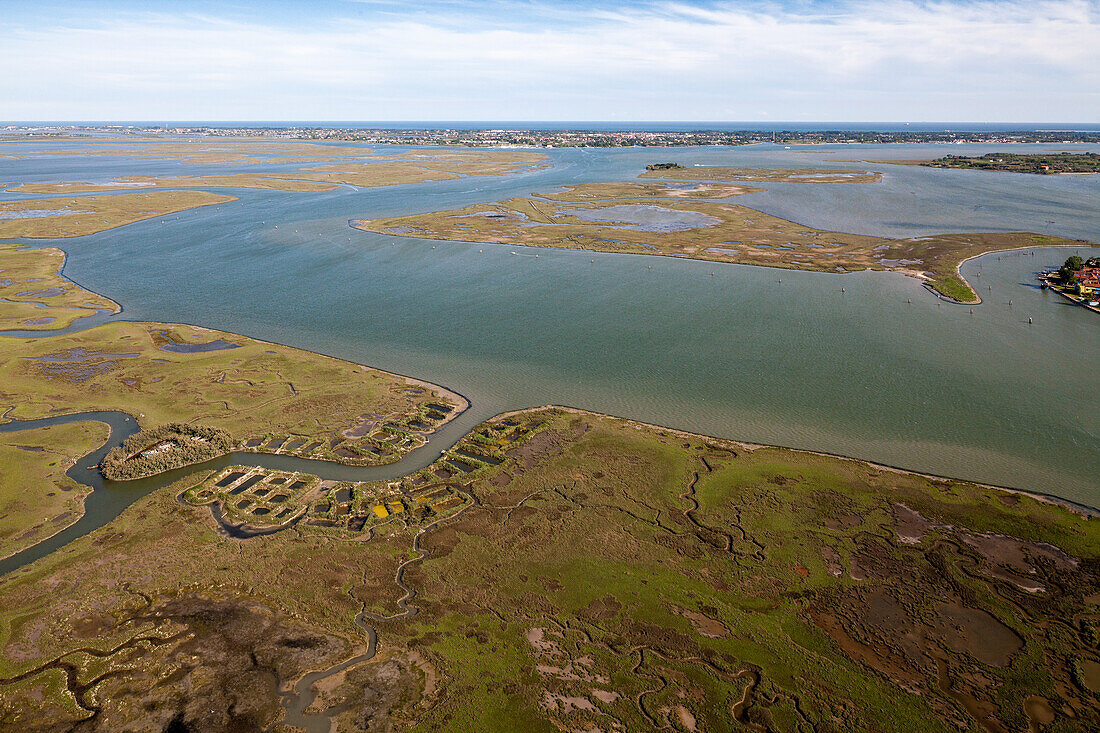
1039,163
1077,279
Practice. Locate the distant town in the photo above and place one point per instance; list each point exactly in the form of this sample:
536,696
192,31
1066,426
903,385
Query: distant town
572,138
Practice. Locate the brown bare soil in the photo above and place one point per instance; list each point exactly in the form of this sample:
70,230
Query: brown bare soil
191,662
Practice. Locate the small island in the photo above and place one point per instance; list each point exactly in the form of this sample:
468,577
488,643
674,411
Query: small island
163,448
675,171
1077,279
1038,163
701,222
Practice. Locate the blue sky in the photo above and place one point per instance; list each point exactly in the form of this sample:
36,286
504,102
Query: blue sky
360,60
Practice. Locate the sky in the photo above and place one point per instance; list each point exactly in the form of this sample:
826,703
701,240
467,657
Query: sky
377,60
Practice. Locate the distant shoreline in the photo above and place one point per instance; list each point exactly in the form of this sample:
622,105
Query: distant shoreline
568,134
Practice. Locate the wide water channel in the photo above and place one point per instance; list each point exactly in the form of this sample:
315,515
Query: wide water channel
880,370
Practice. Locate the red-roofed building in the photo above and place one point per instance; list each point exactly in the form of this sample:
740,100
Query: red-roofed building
1088,281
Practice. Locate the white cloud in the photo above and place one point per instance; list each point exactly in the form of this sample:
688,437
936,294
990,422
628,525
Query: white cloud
1033,61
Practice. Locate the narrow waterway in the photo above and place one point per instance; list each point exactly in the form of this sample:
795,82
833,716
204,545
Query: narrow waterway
79,324
109,498
302,694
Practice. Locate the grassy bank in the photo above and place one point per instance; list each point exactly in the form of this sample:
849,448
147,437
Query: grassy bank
56,218
36,295
354,169
37,499
252,390
769,175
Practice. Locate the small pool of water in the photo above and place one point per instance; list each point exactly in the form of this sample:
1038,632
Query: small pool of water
181,348
37,213
645,217
44,293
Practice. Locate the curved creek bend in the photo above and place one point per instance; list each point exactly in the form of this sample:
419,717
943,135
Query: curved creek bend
109,498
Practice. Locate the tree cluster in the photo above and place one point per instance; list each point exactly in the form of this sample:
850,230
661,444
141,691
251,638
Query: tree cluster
1043,163
189,444
1067,273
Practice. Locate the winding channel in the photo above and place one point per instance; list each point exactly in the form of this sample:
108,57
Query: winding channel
301,695
80,323
109,498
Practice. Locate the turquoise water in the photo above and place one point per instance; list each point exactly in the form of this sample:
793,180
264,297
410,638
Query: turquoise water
719,349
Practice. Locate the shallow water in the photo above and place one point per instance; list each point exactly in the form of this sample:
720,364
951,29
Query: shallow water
645,217
215,345
719,349
35,213
44,293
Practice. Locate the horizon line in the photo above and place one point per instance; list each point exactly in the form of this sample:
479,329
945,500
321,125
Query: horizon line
545,121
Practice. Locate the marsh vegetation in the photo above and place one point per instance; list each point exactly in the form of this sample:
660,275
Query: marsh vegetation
75,217
603,573
700,221
36,297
